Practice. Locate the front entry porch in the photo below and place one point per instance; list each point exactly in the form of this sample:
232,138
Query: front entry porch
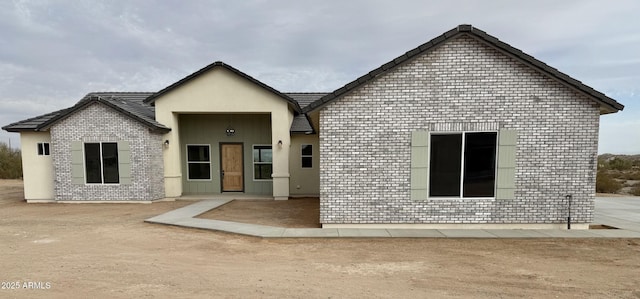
231,152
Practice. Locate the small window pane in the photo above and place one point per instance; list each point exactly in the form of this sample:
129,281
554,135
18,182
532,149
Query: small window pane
46,149
262,171
307,162
307,150
40,149
199,171
445,165
110,163
199,166
262,154
198,153
92,163
479,164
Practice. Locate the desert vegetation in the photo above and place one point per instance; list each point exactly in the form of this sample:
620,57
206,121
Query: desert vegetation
10,162
618,174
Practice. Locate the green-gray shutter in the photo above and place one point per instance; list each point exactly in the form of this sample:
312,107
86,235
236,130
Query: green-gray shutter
124,162
77,163
505,181
419,164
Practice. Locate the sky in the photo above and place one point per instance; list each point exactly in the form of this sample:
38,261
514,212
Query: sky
52,53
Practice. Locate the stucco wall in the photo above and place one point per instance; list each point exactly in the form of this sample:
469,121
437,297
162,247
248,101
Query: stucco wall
210,129
365,140
99,123
37,170
304,181
222,91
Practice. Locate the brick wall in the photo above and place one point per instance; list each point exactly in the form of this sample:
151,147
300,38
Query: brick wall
365,140
99,123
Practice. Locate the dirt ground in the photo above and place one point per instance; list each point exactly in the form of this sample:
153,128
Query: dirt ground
107,251
297,212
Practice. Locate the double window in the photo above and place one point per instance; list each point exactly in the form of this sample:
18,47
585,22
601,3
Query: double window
43,149
262,162
198,162
306,154
463,164
101,163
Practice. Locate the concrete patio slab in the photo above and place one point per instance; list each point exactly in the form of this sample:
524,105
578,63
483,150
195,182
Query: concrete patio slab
620,212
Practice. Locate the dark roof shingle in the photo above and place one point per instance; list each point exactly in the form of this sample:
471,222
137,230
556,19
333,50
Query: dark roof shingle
128,103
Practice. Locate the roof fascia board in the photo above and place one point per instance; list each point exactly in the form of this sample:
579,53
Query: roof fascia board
548,71
96,99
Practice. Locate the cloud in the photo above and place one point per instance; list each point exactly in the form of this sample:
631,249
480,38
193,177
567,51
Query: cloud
54,52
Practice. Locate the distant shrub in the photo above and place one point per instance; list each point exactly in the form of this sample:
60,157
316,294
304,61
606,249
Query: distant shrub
605,183
10,162
635,190
615,174
634,176
619,164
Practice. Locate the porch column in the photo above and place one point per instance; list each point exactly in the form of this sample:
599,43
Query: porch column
281,140
171,156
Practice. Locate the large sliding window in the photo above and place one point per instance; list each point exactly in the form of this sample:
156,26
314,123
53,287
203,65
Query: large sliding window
198,162
463,164
101,163
262,162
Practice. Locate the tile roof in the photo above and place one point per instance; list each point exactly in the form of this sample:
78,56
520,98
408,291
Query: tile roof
607,104
301,125
305,98
291,102
128,103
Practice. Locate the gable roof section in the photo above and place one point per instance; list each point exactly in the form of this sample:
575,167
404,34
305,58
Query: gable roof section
607,104
151,99
127,103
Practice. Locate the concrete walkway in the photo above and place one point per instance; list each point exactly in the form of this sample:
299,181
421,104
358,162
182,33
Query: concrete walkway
620,212
623,213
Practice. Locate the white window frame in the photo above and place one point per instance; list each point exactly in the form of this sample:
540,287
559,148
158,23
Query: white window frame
461,191
84,164
44,148
198,162
253,168
306,156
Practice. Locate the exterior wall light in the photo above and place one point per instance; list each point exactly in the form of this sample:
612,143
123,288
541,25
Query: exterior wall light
166,143
230,131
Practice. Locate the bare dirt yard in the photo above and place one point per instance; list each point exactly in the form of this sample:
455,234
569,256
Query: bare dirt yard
296,212
107,251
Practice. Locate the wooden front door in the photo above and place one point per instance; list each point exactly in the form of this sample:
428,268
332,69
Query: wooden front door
232,167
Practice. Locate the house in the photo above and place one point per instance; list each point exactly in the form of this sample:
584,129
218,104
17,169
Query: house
462,131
